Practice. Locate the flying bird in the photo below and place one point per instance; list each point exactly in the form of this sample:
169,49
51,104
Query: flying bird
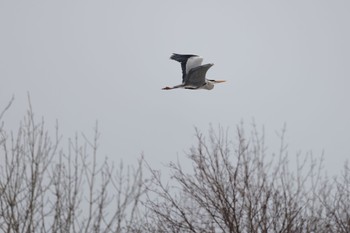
193,73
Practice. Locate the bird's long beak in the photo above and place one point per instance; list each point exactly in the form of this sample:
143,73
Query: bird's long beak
220,81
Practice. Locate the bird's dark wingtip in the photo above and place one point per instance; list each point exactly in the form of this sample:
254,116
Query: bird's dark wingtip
172,56
181,57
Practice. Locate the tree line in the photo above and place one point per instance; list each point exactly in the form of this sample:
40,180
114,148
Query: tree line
235,185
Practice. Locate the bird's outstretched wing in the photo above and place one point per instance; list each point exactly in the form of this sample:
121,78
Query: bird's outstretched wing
196,76
188,61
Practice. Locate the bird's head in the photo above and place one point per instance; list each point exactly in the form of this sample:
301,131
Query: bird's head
211,82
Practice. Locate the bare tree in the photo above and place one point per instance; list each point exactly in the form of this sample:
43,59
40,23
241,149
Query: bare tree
46,188
336,200
235,187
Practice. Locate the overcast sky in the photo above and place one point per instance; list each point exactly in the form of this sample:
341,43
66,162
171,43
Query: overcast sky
107,60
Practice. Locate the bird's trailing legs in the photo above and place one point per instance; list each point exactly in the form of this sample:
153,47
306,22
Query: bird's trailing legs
170,88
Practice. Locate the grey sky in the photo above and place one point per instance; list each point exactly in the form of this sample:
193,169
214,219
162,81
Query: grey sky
81,61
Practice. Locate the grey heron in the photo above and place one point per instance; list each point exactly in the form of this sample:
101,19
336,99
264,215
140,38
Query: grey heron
193,73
